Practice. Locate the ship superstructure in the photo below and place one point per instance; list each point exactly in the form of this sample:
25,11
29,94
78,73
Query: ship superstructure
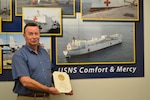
79,47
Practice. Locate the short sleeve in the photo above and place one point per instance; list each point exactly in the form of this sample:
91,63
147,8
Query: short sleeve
19,67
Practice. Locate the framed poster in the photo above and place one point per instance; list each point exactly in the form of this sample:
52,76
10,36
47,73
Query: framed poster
96,39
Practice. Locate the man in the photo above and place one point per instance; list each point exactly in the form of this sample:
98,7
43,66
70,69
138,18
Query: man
31,68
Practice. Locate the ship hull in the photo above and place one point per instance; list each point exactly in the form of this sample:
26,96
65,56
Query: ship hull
92,48
104,4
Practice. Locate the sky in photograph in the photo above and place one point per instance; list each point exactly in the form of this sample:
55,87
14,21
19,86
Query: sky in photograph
19,40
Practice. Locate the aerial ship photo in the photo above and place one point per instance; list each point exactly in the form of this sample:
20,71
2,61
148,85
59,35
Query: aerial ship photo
104,42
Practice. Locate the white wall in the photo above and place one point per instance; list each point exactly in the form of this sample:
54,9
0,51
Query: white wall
105,89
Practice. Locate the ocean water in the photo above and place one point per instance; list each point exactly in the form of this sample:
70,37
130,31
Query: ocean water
120,53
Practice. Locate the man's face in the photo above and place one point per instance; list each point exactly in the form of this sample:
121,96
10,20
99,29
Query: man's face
32,35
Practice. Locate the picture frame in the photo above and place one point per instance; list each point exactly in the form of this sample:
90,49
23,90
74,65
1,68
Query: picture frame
7,51
6,10
67,6
48,19
0,24
121,10
1,65
107,55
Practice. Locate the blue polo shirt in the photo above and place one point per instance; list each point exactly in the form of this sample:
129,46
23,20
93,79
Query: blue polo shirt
27,63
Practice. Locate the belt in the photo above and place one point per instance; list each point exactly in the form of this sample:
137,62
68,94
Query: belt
35,95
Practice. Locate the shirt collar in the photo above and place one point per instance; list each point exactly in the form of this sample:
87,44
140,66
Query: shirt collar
31,50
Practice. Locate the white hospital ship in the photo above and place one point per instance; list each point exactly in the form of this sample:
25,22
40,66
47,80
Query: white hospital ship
79,47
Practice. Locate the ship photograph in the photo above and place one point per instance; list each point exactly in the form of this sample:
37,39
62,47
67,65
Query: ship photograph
67,6
48,19
5,11
103,43
127,10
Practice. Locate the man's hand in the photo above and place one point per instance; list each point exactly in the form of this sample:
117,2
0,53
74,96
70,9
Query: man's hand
53,91
70,93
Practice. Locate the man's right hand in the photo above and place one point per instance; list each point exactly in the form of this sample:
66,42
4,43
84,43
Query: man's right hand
53,91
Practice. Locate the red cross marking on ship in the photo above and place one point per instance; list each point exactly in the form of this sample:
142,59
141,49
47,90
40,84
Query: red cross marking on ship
35,18
69,46
107,2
